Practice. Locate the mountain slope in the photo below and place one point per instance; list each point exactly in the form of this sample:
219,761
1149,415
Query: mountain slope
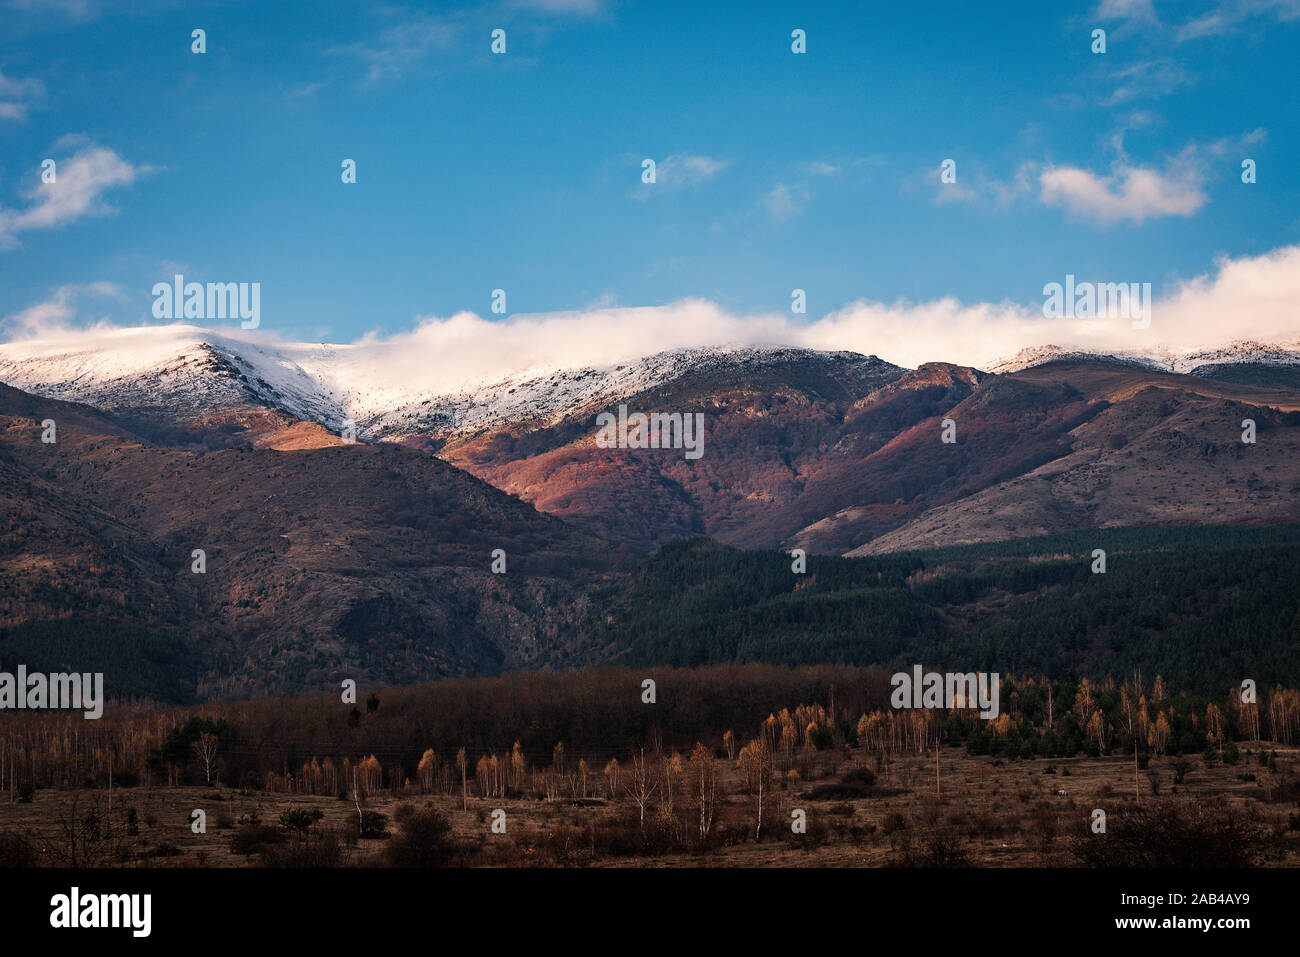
1159,449
766,416
175,383
829,452
370,562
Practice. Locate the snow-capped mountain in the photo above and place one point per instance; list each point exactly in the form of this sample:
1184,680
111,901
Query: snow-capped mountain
181,370
818,450
185,371
1038,355
543,396
1242,352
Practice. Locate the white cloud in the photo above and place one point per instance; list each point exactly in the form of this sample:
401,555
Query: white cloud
1253,297
681,171
71,9
1232,146
401,46
80,182
1132,193
300,90
574,7
790,196
1205,26
456,37
1229,16
978,188
785,202
1250,298
1126,10
1149,78
55,315
686,170
17,97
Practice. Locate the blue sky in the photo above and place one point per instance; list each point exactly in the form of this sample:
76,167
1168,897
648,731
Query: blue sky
523,171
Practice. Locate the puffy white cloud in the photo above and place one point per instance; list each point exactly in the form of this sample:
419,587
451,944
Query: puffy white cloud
1251,298
1247,298
1132,193
54,316
80,183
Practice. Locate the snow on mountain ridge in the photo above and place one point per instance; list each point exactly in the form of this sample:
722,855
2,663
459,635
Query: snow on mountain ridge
181,368
192,370
545,395
198,371
1038,355
1240,352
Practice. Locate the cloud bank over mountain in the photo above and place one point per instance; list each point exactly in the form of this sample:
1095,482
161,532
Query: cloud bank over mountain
1248,298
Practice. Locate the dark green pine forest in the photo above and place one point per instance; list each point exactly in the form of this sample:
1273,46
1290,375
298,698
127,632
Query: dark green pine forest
1203,606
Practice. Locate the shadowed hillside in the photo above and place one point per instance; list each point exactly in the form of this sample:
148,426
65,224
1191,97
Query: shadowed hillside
352,561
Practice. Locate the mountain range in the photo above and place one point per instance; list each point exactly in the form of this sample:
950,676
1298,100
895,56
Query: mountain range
830,452
373,559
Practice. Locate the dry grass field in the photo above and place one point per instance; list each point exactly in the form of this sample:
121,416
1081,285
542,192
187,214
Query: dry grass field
990,812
